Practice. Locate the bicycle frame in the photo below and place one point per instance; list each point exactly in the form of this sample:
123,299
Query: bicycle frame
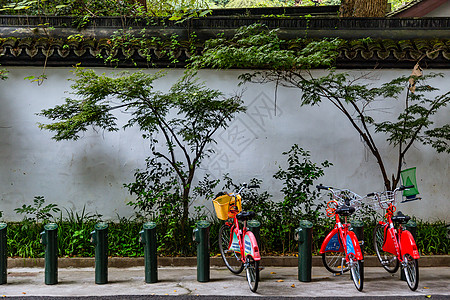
401,242
341,232
243,241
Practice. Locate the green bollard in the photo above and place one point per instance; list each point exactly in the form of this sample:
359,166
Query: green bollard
304,236
148,239
357,226
49,238
254,226
411,226
100,239
201,237
3,255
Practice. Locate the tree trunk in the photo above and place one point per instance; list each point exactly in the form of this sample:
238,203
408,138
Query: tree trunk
347,8
370,8
363,8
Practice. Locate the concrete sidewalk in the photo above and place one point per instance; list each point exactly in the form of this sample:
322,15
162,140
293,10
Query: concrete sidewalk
275,281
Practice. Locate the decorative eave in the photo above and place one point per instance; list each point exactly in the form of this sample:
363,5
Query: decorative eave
396,43
417,8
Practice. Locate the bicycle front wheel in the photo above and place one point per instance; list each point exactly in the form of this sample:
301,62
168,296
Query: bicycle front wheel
357,271
232,259
411,270
388,260
252,272
334,262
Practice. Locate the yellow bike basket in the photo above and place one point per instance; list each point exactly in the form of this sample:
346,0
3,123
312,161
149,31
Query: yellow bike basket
223,204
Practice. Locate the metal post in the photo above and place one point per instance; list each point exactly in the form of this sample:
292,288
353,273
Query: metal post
411,226
100,239
148,239
3,253
49,238
304,236
357,226
201,237
254,226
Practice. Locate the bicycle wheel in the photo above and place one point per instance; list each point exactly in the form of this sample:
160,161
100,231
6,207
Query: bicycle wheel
252,272
388,260
411,270
334,262
232,259
357,271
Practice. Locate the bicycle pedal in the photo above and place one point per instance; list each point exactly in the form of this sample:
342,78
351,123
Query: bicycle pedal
385,263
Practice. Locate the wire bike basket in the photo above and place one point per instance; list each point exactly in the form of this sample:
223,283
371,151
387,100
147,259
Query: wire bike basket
383,200
227,205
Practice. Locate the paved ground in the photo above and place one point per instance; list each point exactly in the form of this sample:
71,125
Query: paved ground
275,281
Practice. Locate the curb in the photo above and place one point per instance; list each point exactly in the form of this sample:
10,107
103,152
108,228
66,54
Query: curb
269,261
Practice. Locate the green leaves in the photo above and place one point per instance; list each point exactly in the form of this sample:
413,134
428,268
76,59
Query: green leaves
257,47
38,211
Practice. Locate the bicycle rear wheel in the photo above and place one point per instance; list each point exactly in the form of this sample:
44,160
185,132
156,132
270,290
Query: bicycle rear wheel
252,272
334,262
232,259
388,260
357,271
411,271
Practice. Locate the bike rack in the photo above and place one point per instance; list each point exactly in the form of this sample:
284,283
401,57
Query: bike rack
3,254
49,238
148,239
201,237
303,235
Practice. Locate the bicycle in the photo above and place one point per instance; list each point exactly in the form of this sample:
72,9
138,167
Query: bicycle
238,246
395,245
338,256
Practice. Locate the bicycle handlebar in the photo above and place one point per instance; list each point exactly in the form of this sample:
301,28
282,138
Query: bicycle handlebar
322,187
388,197
342,196
402,187
245,185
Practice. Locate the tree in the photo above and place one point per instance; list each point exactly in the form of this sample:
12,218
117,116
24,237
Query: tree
199,111
256,47
363,8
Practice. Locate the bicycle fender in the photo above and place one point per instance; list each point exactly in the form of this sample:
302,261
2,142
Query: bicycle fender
251,246
409,245
353,246
331,243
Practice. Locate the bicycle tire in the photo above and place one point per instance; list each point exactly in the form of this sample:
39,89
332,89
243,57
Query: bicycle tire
388,260
231,259
357,273
252,273
332,262
411,271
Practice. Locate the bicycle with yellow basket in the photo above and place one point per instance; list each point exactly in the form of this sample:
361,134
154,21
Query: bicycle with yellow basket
238,246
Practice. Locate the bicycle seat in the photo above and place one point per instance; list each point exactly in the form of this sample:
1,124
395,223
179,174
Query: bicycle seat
245,215
400,218
345,210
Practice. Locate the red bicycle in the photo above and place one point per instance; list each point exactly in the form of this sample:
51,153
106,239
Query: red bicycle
238,246
395,245
341,249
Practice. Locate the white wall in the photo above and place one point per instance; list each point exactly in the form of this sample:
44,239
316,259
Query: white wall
92,170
